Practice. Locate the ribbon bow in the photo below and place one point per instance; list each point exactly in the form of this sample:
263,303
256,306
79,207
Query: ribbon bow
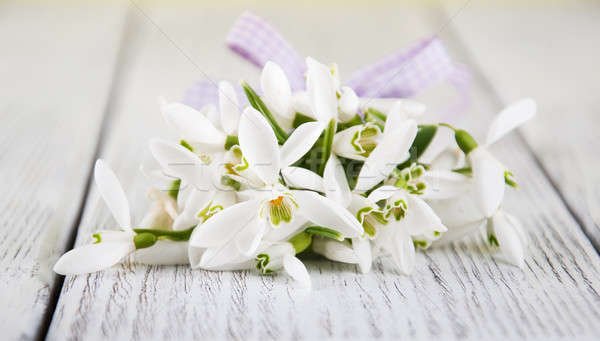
402,74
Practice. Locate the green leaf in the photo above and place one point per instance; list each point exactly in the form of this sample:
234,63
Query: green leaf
425,135
300,118
354,121
325,232
327,143
257,103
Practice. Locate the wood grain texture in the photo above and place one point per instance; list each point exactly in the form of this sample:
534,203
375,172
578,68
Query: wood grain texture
550,53
54,82
457,292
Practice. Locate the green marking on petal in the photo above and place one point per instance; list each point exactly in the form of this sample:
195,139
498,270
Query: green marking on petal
262,261
492,240
422,244
97,238
186,145
228,181
509,179
467,171
173,190
281,209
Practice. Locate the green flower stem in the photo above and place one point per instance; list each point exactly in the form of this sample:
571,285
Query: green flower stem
301,241
327,142
144,240
258,104
178,236
186,145
465,141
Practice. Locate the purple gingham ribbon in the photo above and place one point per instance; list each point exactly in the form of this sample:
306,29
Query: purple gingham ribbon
402,74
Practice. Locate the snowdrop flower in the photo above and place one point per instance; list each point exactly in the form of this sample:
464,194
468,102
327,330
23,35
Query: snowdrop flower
109,247
489,174
238,230
195,128
282,255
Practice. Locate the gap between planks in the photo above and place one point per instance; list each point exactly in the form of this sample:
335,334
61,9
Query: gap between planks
107,117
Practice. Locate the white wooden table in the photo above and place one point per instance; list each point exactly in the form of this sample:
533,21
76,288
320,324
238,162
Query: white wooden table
80,81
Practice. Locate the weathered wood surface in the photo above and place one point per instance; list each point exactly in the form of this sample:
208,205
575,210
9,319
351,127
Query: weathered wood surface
457,292
56,68
549,53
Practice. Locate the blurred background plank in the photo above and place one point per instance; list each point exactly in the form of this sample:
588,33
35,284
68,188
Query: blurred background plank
457,291
550,52
55,75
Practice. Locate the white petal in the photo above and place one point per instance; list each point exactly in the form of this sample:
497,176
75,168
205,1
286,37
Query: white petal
348,103
195,202
248,239
508,239
259,145
342,145
420,218
321,90
228,104
518,227
488,176
92,257
458,232
383,192
510,118
339,251
192,125
182,163
327,213
296,269
164,252
301,103
444,184
403,252
392,150
362,248
111,191
442,141
225,225
300,142
276,89
302,178
335,182
223,257
286,230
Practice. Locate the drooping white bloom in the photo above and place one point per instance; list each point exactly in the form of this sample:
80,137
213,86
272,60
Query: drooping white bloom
109,247
237,231
282,256
489,174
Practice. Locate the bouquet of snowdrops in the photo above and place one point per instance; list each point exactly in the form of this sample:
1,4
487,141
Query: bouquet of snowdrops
322,171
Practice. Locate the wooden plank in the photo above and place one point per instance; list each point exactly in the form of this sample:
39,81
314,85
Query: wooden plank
458,291
548,52
55,74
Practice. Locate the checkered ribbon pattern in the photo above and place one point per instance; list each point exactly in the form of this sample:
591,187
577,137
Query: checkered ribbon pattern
403,74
